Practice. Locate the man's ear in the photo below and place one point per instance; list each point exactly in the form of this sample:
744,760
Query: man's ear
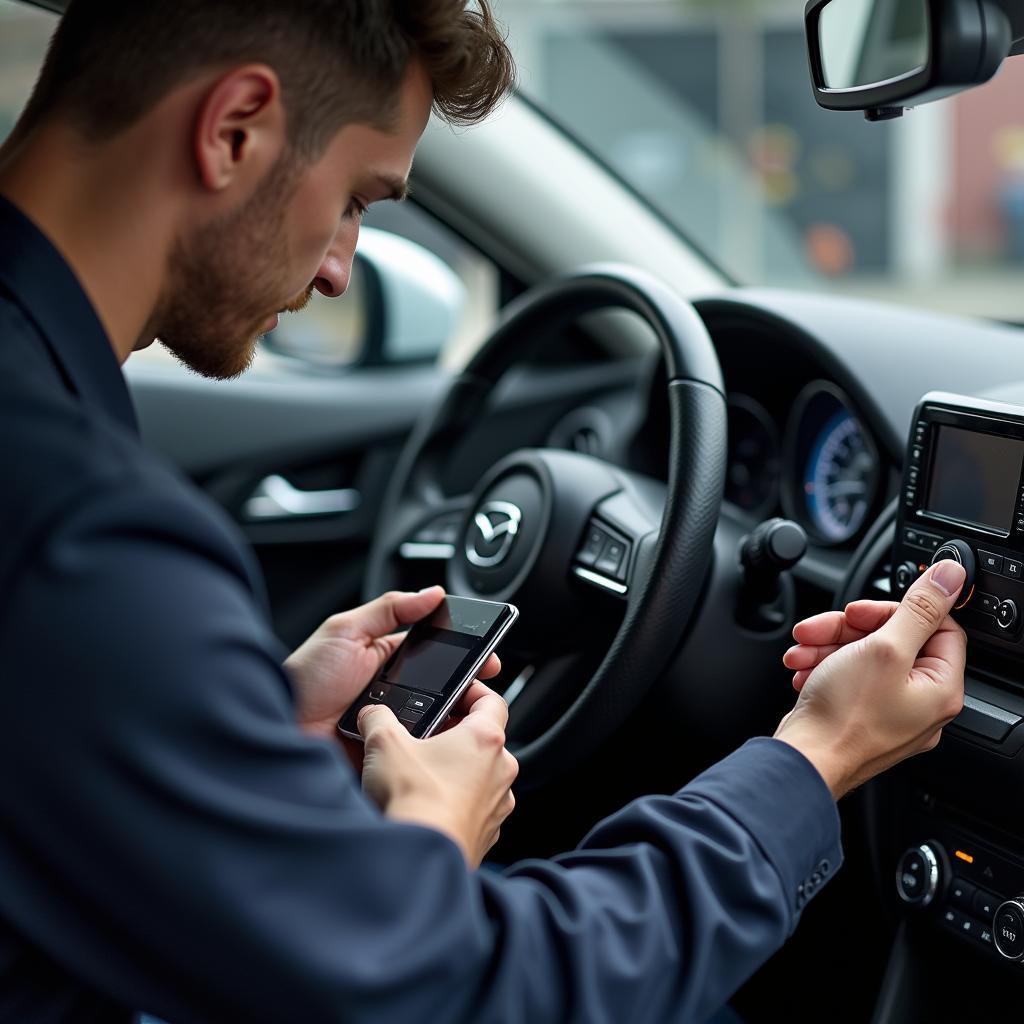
240,127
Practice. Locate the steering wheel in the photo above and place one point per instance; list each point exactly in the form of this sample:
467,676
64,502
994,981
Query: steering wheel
586,549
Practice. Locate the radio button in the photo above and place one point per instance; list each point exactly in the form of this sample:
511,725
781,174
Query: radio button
961,893
1014,570
990,561
985,904
1006,615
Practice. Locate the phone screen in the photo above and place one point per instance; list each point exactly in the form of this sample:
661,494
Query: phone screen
435,663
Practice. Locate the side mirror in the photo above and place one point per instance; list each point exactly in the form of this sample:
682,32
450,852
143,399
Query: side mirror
881,56
402,305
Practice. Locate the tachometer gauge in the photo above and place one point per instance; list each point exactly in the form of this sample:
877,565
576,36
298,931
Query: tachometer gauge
833,467
752,481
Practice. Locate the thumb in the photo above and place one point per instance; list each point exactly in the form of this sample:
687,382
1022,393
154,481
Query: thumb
375,720
924,607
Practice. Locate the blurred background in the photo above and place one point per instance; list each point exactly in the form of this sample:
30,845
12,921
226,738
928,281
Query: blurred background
704,108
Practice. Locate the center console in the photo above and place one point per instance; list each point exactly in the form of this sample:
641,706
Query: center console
957,830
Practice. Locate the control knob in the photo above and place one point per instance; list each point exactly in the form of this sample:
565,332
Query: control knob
919,874
959,551
1008,928
906,574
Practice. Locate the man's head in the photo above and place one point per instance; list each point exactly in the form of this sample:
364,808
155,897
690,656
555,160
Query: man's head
277,123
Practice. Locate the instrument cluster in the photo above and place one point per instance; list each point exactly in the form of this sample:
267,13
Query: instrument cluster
821,466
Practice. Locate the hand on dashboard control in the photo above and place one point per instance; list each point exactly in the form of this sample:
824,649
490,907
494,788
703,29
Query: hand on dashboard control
878,681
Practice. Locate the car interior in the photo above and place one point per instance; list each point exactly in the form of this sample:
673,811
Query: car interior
696,456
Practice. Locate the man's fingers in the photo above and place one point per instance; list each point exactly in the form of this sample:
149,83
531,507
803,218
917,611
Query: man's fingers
869,616
924,608
825,629
491,667
806,657
799,678
397,609
482,701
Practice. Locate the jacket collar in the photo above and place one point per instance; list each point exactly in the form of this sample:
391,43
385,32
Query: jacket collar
38,279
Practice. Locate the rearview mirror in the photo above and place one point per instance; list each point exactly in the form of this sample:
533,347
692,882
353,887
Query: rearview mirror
881,56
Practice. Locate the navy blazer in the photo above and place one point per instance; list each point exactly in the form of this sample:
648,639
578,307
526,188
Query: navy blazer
171,840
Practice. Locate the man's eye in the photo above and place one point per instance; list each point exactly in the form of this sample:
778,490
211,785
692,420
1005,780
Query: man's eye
356,209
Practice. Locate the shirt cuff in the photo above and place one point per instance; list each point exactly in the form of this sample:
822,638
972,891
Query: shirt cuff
780,798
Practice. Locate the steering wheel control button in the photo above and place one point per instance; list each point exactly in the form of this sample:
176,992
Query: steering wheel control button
1007,615
987,603
1008,928
959,551
612,558
418,703
1013,570
593,545
917,875
990,561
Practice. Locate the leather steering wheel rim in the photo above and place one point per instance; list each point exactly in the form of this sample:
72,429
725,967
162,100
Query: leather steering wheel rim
675,562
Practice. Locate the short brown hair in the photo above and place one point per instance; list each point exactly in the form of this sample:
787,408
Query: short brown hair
339,61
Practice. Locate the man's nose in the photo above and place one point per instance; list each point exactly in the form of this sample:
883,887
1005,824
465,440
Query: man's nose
333,276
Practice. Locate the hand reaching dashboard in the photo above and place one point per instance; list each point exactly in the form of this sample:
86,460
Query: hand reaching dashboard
878,681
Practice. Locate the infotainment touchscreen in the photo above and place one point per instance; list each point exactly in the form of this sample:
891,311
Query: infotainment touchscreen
974,478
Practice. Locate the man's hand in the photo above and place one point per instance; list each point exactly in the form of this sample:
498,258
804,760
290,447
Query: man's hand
877,682
337,662
458,782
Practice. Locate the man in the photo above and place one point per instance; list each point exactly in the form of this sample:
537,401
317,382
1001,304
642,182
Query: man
182,832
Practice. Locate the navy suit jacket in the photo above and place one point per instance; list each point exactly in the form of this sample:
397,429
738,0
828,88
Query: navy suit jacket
171,840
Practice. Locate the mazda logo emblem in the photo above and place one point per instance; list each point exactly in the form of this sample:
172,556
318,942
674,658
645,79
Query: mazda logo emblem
494,531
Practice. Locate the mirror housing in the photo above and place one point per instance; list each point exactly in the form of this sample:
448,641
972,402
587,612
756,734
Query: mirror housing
967,41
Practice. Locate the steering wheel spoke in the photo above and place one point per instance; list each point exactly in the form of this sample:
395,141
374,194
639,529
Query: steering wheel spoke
435,539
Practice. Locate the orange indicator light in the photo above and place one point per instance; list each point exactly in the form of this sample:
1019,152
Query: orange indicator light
964,856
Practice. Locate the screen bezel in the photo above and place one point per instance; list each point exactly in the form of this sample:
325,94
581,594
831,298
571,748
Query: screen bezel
981,423
991,528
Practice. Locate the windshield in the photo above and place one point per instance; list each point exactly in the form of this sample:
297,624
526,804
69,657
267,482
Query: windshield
705,108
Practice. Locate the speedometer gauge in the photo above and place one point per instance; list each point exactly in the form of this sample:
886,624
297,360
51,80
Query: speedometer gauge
832,466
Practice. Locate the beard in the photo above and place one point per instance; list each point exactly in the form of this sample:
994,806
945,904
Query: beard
226,280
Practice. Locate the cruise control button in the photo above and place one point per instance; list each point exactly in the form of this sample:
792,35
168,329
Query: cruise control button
611,558
1014,570
990,561
592,546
